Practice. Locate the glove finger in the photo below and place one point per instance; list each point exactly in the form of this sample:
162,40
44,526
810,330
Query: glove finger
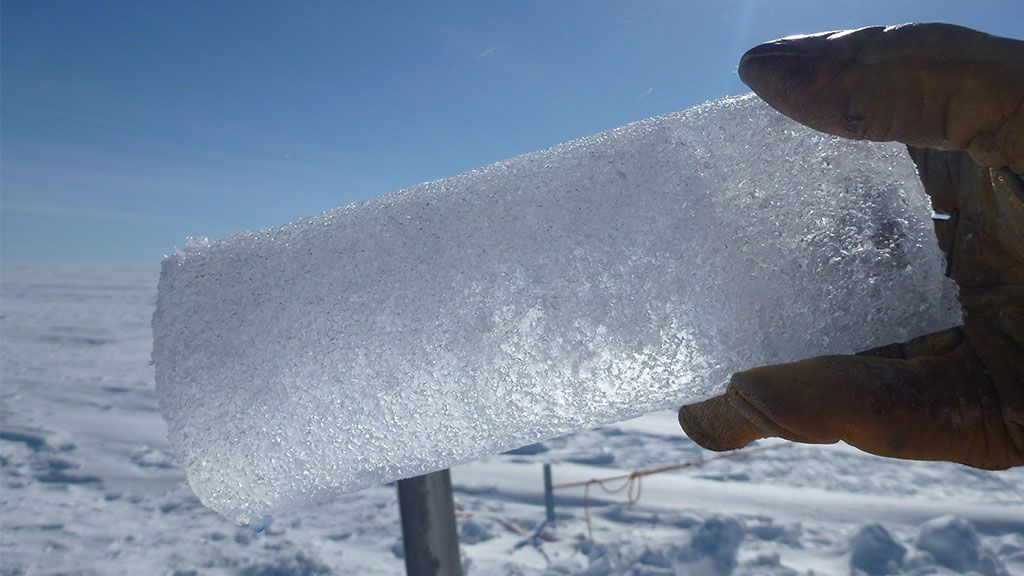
714,424
927,408
928,85
717,425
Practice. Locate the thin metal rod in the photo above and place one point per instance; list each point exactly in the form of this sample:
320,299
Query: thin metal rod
549,494
428,525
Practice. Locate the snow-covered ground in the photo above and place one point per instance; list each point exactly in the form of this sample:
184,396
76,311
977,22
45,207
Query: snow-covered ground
88,486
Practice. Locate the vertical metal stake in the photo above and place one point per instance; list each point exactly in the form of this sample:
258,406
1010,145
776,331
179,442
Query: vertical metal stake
428,525
549,493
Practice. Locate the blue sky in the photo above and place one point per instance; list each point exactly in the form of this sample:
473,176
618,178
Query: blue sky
127,126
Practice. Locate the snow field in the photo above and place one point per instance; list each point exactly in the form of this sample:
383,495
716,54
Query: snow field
88,486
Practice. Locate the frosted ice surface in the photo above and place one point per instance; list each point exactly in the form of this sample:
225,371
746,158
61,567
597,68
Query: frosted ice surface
604,278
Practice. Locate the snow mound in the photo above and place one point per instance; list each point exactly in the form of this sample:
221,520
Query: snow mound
954,543
604,278
873,550
713,546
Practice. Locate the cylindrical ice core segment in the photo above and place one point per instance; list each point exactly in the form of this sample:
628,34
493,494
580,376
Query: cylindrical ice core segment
607,277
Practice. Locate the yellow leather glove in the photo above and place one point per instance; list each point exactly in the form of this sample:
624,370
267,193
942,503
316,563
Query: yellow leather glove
956,97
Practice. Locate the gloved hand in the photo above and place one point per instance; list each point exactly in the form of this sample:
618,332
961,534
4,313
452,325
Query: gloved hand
956,97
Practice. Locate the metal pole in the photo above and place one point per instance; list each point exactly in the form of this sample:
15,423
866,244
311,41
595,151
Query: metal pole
549,493
428,525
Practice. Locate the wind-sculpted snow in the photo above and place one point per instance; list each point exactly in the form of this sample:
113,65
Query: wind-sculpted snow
601,279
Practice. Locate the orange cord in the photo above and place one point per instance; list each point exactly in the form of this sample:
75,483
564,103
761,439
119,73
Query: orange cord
632,483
